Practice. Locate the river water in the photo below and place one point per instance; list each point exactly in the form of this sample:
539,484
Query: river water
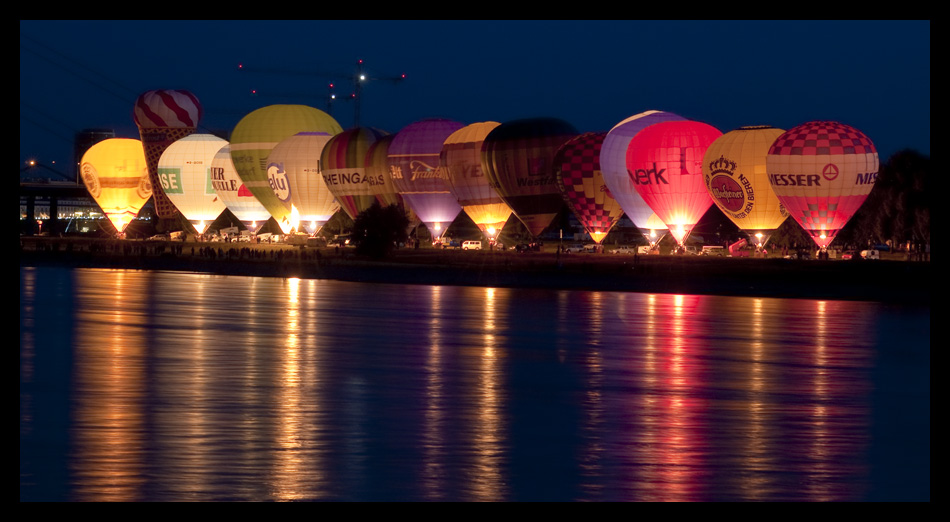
162,386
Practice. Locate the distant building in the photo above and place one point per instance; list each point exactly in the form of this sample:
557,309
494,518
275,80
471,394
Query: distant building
84,139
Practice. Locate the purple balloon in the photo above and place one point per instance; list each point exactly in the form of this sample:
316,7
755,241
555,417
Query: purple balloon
613,163
414,156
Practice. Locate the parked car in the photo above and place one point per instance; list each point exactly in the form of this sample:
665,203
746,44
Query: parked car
870,254
574,249
848,254
624,249
471,245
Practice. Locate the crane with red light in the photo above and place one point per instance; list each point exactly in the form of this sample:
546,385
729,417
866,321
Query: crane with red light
359,77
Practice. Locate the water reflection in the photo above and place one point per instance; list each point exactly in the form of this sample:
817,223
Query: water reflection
200,387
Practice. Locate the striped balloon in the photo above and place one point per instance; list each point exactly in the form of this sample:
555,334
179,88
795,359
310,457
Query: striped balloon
345,172
167,108
163,117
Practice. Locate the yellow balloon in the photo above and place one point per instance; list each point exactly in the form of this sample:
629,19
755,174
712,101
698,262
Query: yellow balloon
116,175
735,174
461,160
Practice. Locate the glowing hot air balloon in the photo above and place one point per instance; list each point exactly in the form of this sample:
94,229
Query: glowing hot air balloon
377,167
736,178
414,164
461,160
578,175
518,159
822,171
345,172
613,164
665,164
258,133
229,187
164,116
293,168
116,175
184,171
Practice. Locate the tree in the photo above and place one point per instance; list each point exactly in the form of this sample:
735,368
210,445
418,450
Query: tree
377,230
898,207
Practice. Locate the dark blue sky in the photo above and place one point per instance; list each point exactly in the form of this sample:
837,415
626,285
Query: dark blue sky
873,75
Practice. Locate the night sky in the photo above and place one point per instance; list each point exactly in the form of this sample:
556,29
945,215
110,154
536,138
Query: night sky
873,75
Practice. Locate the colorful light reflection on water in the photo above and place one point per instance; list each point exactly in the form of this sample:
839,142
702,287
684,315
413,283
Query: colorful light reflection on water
140,386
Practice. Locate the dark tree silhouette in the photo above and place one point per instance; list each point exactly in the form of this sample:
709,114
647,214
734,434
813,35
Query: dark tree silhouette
377,230
897,210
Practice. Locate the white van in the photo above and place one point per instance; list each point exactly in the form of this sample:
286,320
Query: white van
471,245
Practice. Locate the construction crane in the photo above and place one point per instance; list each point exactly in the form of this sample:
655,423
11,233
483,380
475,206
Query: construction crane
359,78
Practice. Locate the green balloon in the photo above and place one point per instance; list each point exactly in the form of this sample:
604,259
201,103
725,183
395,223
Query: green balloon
258,133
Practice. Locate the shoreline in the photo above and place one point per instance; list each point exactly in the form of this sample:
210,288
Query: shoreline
882,281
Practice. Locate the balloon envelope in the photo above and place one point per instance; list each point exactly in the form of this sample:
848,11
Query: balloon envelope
293,169
377,166
461,160
578,174
518,160
345,172
229,187
417,176
665,164
116,175
613,164
822,171
258,133
184,172
738,182
163,117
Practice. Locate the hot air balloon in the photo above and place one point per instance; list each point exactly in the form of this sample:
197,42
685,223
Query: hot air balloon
293,168
665,164
229,187
578,175
414,164
116,175
461,160
654,230
164,116
613,164
518,159
260,131
184,172
377,167
345,172
736,178
822,171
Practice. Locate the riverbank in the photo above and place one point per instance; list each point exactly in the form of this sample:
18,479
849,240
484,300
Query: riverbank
886,281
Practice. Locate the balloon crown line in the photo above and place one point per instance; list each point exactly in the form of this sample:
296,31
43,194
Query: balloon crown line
722,165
